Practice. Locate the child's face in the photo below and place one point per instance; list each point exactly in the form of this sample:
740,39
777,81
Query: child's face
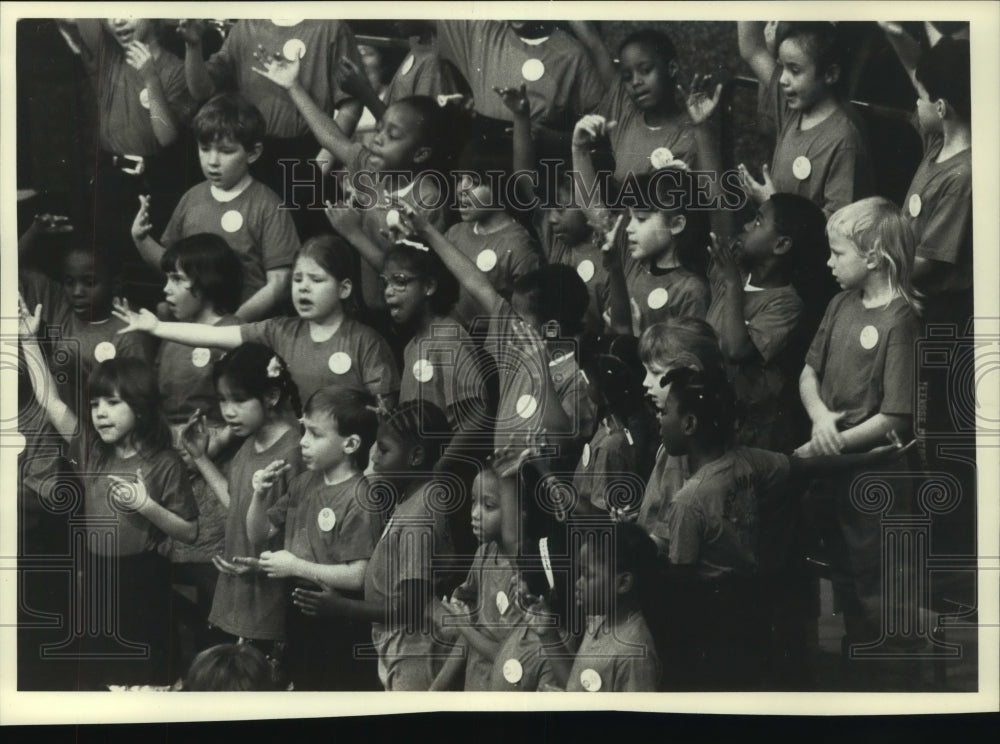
475,201
405,303
322,445
850,268
390,454
592,590
127,30
244,415
113,418
672,428
185,304
758,239
88,293
570,222
486,515
397,144
927,116
315,293
225,162
801,83
656,393
646,78
648,234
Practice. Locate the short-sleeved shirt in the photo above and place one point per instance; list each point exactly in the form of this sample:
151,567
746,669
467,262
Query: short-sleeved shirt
939,206
253,224
864,358
727,513
421,73
327,524
608,466
828,164
124,120
323,43
588,260
417,533
561,81
504,256
662,294
665,481
166,481
533,669
355,356
633,142
442,368
253,605
184,376
620,659
493,580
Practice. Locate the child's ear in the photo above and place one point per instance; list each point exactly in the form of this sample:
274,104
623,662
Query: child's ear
689,424
417,455
673,68
782,245
832,75
352,444
941,107
676,224
430,287
422,155
346,287
624,582
255,152
271,399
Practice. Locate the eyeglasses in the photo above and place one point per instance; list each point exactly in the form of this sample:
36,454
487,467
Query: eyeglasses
399,282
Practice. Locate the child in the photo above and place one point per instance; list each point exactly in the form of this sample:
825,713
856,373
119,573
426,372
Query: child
618,652
229,667
325,345
143,105
255,394
641,96
857,382
330,530
758,290
422,72
316,46
403,575
231,203
135,493
661,249
820,152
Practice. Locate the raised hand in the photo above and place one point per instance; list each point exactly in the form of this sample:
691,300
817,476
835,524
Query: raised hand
350,78
28,322
194,435
759,192
343,218
139,58
412,221
276,67
703,99
191,30
507,460
129,494
143,320
725,260
267,478
590,129
515,99
142,225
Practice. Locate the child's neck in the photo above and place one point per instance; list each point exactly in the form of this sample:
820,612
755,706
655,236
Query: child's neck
666,260
207,316
339,473
323,329
626,608
877,291
425,321
819,113
659,116
957,139
270,432
126,447
699,455
769,274
492,222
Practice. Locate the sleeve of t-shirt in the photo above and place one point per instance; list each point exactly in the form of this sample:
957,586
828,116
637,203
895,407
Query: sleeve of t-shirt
413,555
179,99
454,40
264,332
222,65
279,239
356,537
172,489
946,229
38,289
770,328
277,514
523,261
770,468
637,673
816,356
588,89
174,230
694,298
138,345
89,31
845,180
344,45
378,366
684,527
613,101
897,375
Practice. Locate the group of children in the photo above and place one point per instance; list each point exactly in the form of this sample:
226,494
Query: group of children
430,421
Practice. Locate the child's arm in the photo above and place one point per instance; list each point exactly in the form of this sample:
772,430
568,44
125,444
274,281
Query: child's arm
905,46
346,220
516,100
805,468
191,334
259,527
585,135
199,82
195,440
133,495
702,103
328,602
865,435
753,49
281,564
734,339
826,438
467,628
596,50
165,128
619,303
265,301
353,82
285,73
43,383
150,250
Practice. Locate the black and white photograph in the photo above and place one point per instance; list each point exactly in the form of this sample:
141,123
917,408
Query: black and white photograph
362,353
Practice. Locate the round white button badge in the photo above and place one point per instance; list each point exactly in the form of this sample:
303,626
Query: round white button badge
144,98
326,519
590,680
392,219
657,298
104,351
502,602
423,370
231,221
200,356
585,457
532,70
915,205
407,65
486,260
869,337
294,49
526,406
513,671
585,269
801,167
340,363
660,157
